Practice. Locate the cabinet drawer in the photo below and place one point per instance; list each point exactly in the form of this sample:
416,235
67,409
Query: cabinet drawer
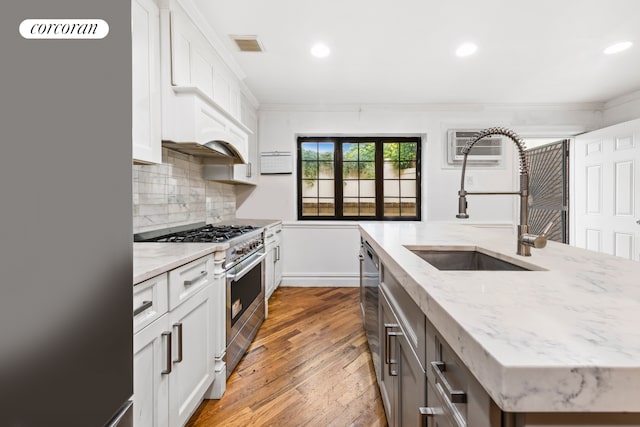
149,301
456,387
185,281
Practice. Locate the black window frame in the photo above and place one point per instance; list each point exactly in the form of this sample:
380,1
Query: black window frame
379,177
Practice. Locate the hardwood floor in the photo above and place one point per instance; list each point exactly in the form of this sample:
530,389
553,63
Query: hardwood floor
309,365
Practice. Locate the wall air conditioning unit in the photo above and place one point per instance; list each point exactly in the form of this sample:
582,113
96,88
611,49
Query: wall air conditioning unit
489,151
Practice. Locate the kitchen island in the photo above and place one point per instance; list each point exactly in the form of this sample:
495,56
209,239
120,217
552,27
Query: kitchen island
562,338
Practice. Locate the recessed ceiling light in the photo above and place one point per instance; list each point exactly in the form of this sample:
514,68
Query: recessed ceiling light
466,49
618,47
320,50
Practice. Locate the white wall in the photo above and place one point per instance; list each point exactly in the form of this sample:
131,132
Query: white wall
275,195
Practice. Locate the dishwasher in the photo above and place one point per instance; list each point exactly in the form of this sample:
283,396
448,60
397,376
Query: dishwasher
369,280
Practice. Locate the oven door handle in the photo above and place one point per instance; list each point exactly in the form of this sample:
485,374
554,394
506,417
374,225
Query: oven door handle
239,275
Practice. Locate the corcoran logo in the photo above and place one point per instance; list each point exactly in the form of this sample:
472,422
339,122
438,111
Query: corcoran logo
64,29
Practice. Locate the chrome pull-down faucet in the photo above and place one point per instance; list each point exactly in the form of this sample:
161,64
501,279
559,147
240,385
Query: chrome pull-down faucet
525,239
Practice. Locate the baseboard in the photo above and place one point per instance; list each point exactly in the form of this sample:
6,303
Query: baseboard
325,280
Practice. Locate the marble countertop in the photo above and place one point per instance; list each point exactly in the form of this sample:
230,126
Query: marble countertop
151,258
565,339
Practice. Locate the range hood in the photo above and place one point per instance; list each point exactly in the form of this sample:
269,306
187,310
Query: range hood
192,123
218,145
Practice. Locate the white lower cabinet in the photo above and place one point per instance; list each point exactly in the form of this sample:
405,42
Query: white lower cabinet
151,363
192,358
173,353
273,261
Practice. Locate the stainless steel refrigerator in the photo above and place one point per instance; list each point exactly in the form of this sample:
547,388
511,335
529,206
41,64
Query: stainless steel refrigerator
65,220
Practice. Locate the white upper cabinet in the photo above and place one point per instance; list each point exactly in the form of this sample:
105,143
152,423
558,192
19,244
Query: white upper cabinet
146,115
195,63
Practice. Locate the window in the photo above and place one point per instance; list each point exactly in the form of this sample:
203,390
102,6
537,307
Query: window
359,178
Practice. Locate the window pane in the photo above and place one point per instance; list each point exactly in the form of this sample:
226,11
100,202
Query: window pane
391,188
326,207
350,151
325,170
350,206
368,188
309,170
391,206
367,207
325,151
310,151
391,170
310,207
367,170
408,151
407,188
390,151
350,188
408,171
326,188
309,188
350,170
367,151
408,207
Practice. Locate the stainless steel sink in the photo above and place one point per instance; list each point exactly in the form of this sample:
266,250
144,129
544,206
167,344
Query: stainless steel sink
465,260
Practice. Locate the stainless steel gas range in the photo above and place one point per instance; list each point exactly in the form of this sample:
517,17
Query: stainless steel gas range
244,269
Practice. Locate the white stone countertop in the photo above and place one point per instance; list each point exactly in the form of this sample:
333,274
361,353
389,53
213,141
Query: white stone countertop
152,258
562,340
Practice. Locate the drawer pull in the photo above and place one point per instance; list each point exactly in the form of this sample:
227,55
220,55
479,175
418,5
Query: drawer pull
269,235
179,326
278,231
455,396
387,347
202,275
145,305
167,369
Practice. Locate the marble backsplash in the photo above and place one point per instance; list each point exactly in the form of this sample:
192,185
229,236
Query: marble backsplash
174,193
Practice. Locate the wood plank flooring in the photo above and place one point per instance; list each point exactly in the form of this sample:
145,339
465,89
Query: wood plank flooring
309,365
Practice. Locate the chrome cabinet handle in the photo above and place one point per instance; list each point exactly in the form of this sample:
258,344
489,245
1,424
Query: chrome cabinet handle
387,347
278,253
455,396
248,169
426,415
279,231
202,275
179,326
145,305
269,235
167,369
638,222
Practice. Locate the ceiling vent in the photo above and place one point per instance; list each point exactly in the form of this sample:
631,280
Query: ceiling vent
248,43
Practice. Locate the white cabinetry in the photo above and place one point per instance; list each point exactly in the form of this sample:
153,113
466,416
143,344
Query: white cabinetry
145,55
273,261
151,353
173,357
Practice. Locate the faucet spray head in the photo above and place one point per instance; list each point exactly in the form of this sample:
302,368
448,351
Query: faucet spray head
462,205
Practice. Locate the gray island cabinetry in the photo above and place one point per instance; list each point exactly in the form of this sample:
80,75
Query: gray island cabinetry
548,343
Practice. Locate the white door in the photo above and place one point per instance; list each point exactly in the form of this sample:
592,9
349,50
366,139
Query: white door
606,183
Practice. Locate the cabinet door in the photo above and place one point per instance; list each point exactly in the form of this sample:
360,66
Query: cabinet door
151,364
278,260
193,360
269,271
145,56
412,385
388,329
